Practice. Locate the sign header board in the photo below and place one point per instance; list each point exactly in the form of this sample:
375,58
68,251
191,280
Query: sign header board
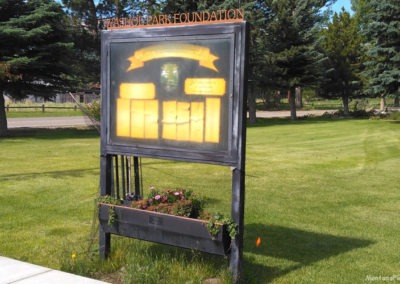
204,17
174,92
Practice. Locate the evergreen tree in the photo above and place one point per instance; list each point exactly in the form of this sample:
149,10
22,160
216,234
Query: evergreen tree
85,33
291,46
361,10
35,50
260,76
342,45
382,31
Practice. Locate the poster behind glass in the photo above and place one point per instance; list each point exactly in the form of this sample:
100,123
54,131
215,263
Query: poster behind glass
171,94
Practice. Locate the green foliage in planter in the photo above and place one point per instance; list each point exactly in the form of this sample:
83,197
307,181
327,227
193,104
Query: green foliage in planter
107,199
112,216
214,222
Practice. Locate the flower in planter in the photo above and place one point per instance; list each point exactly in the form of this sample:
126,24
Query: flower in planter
132,197
178,202
140,204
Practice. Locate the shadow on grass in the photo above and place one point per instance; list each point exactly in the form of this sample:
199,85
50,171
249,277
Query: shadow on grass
263,122
293,247
52,174
53,133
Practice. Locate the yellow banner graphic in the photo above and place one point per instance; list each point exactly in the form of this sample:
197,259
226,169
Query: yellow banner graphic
202,54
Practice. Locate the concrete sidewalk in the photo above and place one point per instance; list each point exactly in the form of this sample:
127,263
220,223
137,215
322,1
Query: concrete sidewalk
18,272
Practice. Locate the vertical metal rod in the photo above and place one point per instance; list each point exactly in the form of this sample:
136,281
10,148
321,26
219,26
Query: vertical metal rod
116,189
137,175
141,176
128,174
123,180
110,190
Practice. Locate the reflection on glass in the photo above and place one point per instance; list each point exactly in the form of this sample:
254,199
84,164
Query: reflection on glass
169,76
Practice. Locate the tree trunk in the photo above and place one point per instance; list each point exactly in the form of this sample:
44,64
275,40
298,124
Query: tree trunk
345,98
251,101
3,117
396,102
383,103
299,98
345,102
292,102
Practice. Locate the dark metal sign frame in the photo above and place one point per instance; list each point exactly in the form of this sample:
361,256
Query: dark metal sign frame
232,151
234,97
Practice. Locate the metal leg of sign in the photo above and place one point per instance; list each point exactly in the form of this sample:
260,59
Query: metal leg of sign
105,189
236,255
105,244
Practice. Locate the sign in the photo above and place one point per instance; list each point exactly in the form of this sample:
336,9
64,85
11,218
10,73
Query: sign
171,92
204,17
175,92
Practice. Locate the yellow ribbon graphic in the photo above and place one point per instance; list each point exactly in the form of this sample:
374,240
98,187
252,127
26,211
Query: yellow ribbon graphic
202,54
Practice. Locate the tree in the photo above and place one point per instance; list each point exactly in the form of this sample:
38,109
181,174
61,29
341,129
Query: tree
381,28
85,33
292,44
341,43
35,50
258,15
361,10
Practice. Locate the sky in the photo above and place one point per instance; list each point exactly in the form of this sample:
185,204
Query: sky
337,7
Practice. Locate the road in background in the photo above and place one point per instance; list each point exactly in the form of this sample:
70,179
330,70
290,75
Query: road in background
48,122
286,113
79,121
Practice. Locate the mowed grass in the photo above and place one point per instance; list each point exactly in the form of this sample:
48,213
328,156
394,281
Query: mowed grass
322,195
48,181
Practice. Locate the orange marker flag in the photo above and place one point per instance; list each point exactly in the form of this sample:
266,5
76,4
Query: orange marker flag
258,242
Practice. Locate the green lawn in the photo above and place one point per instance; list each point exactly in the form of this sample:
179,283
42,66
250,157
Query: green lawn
322,195
315,103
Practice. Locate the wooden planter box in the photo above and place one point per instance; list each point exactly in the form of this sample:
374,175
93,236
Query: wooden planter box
163,228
